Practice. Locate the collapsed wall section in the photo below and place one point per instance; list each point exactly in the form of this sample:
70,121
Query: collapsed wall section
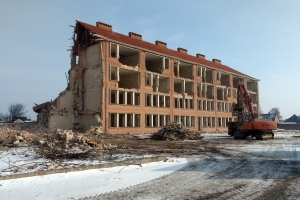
79,106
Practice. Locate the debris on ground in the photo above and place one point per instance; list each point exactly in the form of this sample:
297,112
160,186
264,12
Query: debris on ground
66,144
63,144
176,131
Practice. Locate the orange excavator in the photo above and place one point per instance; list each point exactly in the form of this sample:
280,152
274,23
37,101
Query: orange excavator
245,123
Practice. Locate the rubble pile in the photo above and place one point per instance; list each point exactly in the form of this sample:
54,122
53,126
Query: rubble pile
175,131
63,144
66,144
12,134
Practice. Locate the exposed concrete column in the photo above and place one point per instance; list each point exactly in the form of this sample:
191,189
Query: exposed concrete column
117,96
184,119
158,120
132,97
190,121
125,97
151,100
151,120
200,68
117,52
157,83
133,120
227,91
201,123
177,67
164,101
118,74
164,116
157,101
151,79
188,104
117,120
163,63
183,86
125,120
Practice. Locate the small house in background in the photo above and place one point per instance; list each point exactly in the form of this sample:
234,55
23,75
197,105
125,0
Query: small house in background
273,117
293,118
292,123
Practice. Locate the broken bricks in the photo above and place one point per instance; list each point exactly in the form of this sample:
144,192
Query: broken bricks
175,131
60,144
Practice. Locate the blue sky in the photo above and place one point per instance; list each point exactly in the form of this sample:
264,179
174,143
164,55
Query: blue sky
258,38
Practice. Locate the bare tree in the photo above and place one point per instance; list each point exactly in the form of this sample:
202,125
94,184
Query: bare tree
276,111
4,117
16,110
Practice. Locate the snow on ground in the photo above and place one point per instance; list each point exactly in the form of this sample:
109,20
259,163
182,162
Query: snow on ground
277,134
25,160
86,183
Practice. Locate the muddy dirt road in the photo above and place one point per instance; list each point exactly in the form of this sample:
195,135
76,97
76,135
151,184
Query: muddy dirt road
222,168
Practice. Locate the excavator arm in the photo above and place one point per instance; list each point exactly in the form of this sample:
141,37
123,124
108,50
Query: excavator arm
245,97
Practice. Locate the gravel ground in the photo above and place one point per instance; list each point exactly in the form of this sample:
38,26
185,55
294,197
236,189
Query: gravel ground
241,169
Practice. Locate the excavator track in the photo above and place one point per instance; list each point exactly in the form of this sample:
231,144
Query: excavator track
264,135
258,135
240,135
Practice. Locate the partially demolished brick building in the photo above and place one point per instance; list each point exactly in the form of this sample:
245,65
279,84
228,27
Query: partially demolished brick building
124,84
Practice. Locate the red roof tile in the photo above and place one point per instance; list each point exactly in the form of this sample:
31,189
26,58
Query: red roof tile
153,47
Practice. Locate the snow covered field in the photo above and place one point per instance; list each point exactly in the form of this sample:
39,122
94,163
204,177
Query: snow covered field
86,183
238,169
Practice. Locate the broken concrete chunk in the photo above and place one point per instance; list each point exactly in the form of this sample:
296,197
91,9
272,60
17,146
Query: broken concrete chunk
16,143
59,131
20,138
68,135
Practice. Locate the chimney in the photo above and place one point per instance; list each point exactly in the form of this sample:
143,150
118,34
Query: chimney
182,50
135,35
160,43
198,55
216,61
104,26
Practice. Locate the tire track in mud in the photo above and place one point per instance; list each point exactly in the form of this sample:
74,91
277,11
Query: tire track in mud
233,173
268,183
176,185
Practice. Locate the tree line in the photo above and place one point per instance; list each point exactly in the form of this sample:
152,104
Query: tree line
14,110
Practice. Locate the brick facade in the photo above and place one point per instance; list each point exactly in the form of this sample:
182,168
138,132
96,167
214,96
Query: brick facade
125,84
